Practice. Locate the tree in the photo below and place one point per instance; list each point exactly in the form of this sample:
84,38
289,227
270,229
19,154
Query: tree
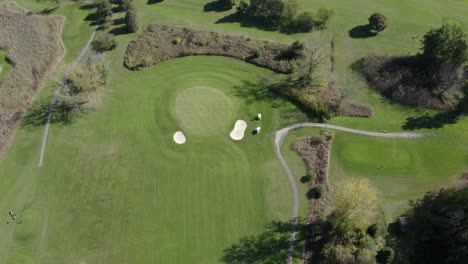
242,8
446,46
323,17
304,22
267,11
131,21
87,78
227,4
355,206
385,256
104,42
378,22
441,227
125,5
103,9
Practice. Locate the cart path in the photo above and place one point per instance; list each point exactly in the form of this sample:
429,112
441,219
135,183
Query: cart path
57,91
281,134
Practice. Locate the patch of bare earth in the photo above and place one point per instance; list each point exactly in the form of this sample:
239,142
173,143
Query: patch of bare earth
315,152
34,46
159,43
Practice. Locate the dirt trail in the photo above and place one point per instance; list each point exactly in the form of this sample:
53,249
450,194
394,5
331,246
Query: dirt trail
279,137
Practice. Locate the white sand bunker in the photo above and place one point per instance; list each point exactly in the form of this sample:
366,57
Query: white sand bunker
239,129
179,137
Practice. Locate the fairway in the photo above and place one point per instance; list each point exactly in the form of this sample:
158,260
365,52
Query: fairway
116,187
129,175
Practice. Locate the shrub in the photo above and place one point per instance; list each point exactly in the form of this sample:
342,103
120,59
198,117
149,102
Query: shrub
104,42
378,22
445,46
373,230
316,192
306,178
103,9
131,21
385,256
177,41
304,22
323,17
227,4
266,11
125,5
89,76
294,51
242,8
312,174
319,191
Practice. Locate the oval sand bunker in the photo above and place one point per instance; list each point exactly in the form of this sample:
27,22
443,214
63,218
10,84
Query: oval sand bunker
179,137
239,130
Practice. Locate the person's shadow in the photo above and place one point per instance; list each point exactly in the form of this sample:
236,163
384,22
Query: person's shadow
362,31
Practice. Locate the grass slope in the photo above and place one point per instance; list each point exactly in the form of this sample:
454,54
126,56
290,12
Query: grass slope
5,66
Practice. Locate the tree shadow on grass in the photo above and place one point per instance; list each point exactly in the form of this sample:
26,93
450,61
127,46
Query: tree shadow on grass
118,31
118,21
87,7
244,22
64,113
271,246
152,2
258,92
361,31
216,6
48,11
438,120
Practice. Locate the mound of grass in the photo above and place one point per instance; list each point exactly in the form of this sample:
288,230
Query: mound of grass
161,42
34,47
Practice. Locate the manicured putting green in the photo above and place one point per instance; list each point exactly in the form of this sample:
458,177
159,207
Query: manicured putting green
204,110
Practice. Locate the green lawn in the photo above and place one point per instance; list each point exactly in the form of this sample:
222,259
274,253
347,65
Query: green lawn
115,188
5,66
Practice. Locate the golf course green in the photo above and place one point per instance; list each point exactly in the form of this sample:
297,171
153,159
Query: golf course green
116,188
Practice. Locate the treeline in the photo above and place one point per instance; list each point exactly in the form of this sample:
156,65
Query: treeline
105,9
279,15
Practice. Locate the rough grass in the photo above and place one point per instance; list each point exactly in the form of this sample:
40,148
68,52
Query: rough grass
34,47
161,42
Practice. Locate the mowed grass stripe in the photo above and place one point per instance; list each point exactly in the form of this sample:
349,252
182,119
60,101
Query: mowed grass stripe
127,179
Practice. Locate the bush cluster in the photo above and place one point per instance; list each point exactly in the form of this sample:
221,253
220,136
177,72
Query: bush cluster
104,13
432,79
104,42
160,42
278,14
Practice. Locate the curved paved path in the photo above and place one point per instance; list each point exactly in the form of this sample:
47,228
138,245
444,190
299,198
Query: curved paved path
57,91
279,137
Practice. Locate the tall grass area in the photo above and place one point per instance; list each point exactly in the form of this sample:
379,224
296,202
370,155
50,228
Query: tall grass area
34,48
